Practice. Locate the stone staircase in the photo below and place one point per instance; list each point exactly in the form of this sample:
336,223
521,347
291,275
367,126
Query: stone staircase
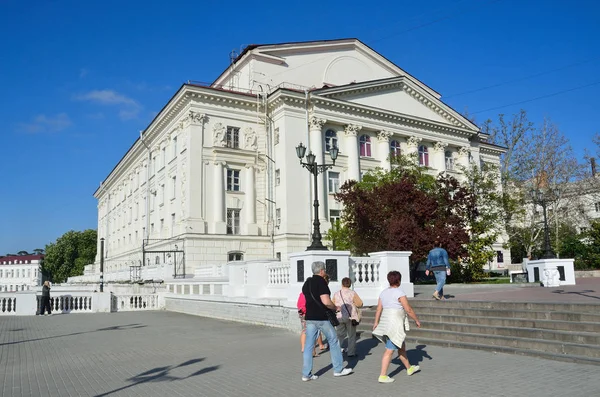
558,331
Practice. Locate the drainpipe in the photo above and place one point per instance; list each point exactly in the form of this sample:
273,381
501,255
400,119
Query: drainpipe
310,194
147,198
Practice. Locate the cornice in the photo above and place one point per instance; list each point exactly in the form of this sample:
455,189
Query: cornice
173,110
389,116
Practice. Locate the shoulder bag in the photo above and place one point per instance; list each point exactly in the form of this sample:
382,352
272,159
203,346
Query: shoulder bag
353,321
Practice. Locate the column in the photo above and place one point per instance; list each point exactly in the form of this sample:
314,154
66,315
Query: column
463,155
250,201
316,146
352,150
439,158
190,173
219,199
412,144
383,151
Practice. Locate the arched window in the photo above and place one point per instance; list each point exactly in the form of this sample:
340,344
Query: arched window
365,146
394,148
449,160
331,140
423,156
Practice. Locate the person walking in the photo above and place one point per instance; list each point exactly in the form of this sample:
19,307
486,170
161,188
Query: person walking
46,298
318,300
391,325
437,261
301,304
349,316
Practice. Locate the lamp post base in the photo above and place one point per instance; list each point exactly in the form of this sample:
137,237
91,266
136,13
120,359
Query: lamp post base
316,246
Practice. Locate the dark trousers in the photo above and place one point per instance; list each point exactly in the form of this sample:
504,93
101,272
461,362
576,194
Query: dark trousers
45,305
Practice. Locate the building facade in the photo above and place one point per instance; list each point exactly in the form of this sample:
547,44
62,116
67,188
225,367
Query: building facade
20,272
215,177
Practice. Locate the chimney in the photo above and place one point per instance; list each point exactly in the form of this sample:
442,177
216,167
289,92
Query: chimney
593,164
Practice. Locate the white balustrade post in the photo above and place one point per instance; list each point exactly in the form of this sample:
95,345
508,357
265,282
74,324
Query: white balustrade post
395,260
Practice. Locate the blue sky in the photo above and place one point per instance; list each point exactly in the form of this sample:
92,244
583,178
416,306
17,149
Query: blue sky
80,79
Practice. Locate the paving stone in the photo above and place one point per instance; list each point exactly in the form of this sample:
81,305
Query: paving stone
171,354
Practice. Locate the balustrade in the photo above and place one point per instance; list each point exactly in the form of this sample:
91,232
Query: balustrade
68,303
8,305
364,272
128,303
278,274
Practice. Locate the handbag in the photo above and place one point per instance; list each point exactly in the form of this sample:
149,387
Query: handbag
353,321
331,317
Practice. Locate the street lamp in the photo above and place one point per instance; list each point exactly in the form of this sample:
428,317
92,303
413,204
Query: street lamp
543,198
314,168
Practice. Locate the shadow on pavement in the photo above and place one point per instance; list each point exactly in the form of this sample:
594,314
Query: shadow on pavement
162,374
114,328
580,293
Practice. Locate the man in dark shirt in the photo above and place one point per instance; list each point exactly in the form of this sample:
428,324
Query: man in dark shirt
318,300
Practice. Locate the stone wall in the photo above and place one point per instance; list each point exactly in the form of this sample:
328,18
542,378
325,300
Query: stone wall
270,312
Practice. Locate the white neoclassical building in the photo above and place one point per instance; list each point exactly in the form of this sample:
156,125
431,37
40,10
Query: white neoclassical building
215,176
20,272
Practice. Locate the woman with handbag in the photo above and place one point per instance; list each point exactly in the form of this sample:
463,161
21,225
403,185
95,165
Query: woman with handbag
349,315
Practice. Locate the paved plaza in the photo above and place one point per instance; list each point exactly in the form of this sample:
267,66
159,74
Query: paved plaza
170,354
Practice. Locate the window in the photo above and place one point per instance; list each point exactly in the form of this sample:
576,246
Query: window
137,180
597,205
153,166
162,224
235,256
162,157
277,177
233,180
137,210
152,228
172,224
423,156
394,148
162,194
278,255
174,145
334,182
278,217
276,136
233,137
334,217
331,140
500,257
173,187
233,221
449,160
365,146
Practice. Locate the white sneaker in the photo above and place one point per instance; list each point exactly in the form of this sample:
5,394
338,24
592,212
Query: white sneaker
309,377
345,371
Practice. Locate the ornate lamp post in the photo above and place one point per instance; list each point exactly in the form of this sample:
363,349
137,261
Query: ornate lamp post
543,198
315,169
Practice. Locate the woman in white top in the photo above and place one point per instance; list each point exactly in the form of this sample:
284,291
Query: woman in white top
391,325
349,316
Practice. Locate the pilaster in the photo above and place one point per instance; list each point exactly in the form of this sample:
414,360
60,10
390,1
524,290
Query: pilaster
352,150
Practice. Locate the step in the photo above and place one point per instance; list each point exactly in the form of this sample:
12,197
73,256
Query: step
578,337
442,309
529,306
419,340
585,350
427,318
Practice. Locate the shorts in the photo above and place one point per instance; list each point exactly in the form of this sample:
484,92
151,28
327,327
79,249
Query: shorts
390,345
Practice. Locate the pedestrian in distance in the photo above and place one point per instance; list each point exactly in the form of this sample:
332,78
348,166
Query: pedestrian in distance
391,324
318,301
437,262
46,299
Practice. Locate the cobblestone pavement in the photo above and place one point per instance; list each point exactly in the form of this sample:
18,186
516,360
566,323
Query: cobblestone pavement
587,290
170,354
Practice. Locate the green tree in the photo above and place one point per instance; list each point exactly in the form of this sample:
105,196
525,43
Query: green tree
22,253
591,255
69,254
484,215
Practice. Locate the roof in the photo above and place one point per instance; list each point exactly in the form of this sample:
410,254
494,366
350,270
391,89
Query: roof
4,260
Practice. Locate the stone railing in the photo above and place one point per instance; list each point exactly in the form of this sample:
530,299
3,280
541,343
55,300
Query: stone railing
136,302
278,274
75,302
8,304
364,271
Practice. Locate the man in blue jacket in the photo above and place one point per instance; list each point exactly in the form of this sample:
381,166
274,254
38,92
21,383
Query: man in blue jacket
437,261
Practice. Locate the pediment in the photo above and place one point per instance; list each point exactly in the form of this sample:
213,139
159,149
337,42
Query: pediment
398,95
